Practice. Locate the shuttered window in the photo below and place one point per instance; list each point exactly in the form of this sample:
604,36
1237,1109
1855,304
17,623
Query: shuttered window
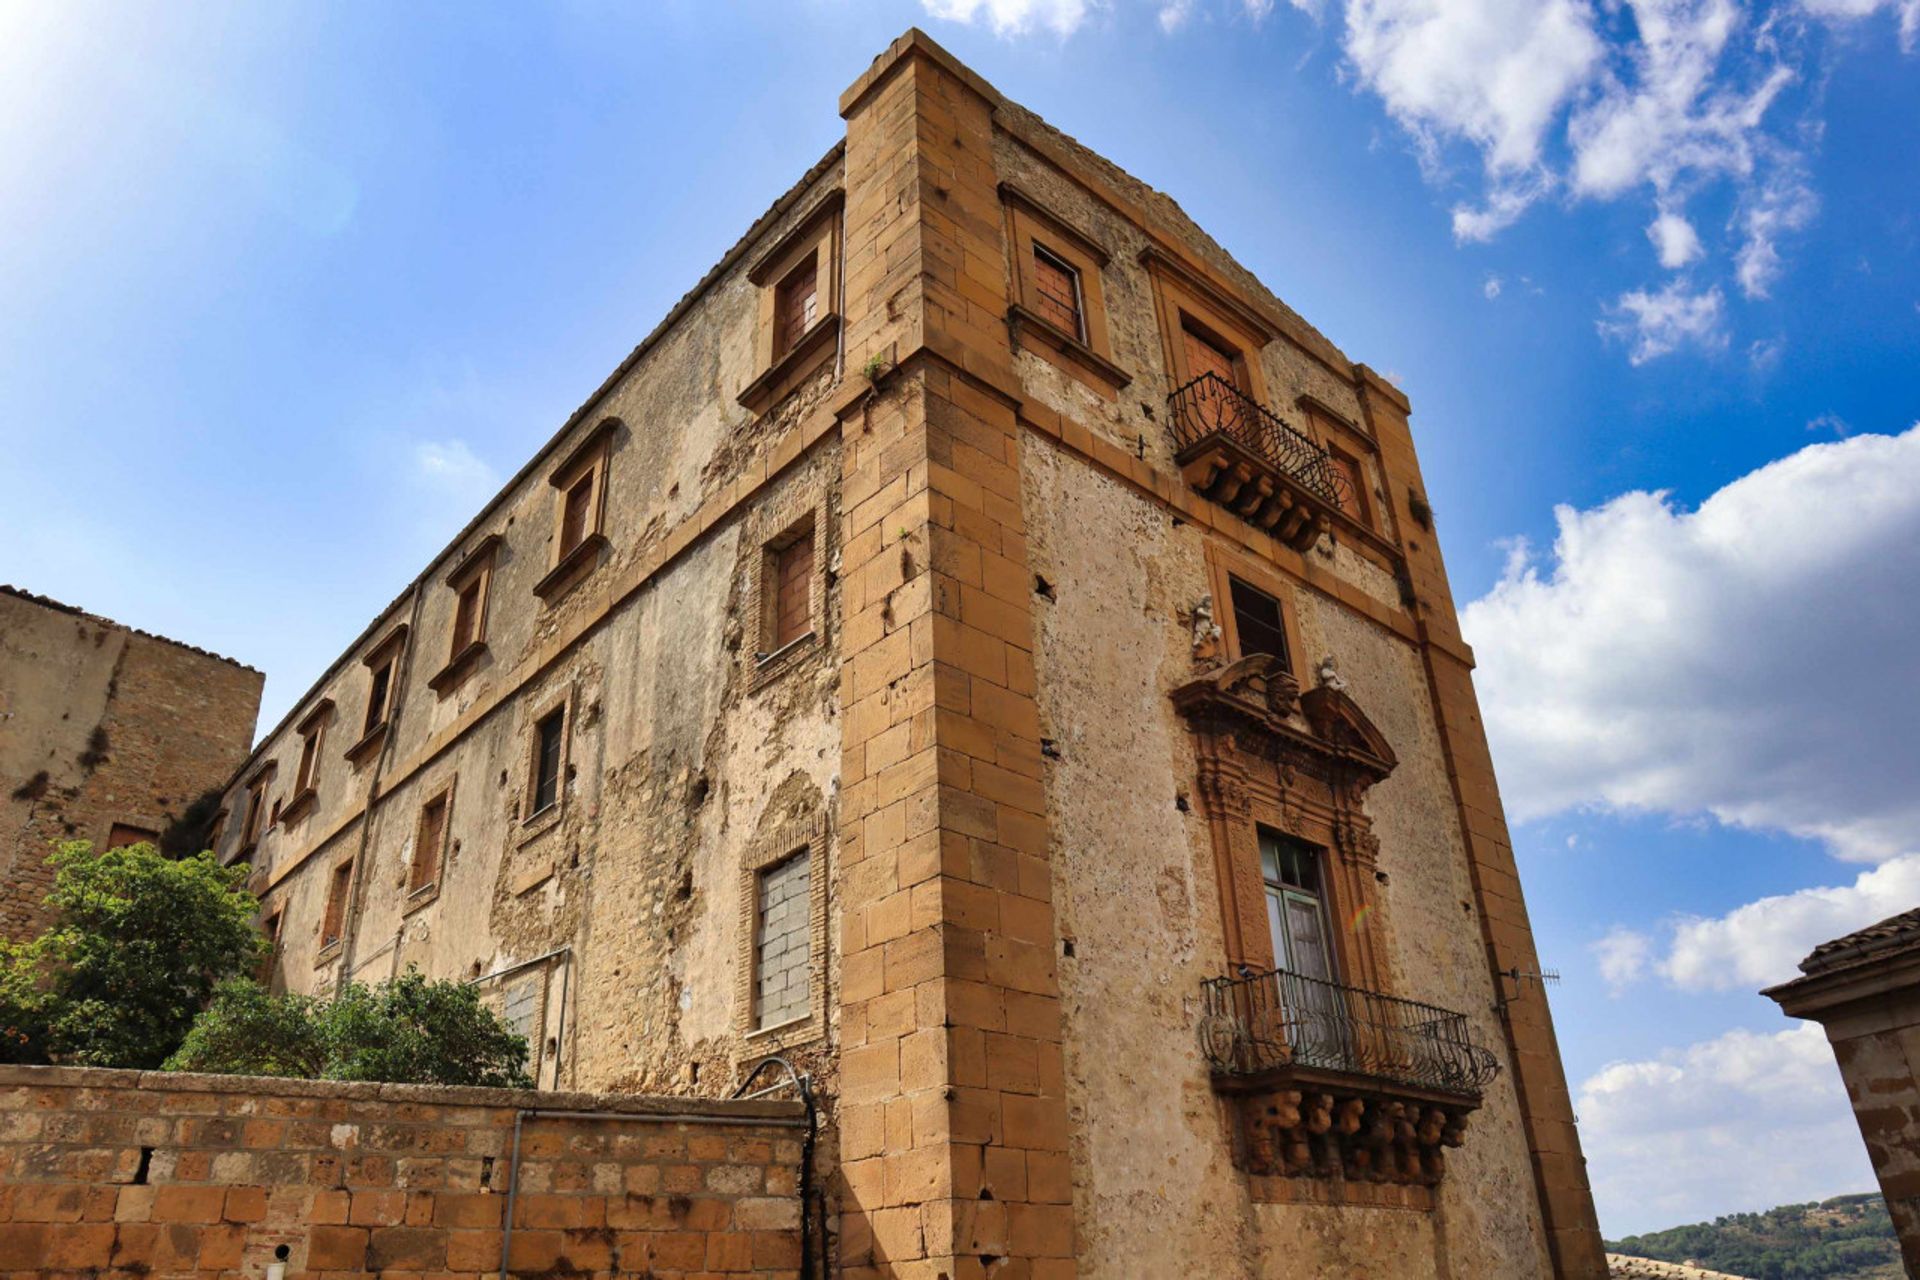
796,306
1056,289
429,844
1205,355
793,590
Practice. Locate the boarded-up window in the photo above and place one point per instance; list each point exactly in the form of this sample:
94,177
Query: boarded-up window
793,590
466,614
123,835
782,937
309,759
256,813
1056,291
429,843
573,519
333,928
796,305
1257,622
1345,475
548,738
1207,354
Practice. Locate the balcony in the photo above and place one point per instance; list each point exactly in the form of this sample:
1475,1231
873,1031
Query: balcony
1247,460
1339,1083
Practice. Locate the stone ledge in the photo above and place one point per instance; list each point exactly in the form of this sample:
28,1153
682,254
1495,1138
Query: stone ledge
666,1107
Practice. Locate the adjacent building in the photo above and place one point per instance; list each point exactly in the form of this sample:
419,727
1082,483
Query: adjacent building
1864,989
107,734
988,649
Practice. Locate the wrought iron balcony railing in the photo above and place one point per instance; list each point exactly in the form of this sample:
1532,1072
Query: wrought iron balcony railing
1265,1021
1210,407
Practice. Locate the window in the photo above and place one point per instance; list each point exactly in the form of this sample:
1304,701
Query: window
123,835
549,742
255,824
796,306
468,614
573,514
333,928
379,686
580,482
792,591
309,760
1056,289
1258,623
1296,909
1349,490
783,912
429,843
1207,354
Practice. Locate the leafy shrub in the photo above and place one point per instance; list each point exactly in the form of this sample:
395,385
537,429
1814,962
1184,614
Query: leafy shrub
407,1030
139,943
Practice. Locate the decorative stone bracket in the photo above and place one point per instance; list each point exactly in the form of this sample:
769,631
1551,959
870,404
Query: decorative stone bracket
1346,1132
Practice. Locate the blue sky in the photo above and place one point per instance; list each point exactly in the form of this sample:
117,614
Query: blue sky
288,292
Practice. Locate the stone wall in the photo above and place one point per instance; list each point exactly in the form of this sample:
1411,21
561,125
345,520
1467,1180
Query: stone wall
102,725
120,1173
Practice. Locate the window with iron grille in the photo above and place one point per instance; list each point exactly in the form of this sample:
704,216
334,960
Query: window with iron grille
1056,292
1345,475
1258,623
795,306
548,738
783,912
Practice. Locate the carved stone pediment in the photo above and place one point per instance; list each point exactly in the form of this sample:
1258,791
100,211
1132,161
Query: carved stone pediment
1258,702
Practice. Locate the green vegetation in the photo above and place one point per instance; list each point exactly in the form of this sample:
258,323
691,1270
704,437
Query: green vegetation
407,1029
138,945
1845,1238
148,963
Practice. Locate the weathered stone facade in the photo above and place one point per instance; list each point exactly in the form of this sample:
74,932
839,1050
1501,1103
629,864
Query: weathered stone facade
1864,989
103,730
957,364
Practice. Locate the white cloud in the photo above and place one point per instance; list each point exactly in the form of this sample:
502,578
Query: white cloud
1674,239
1174,14
451,469
1830,422
1014,17
1657,324
1491,288
1496,73
1784,203
1622,957
1762,942
1853,10
1752,659
1744,1119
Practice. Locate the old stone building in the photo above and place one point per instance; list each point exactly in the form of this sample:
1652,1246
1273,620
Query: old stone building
1864,989
986,647
107,734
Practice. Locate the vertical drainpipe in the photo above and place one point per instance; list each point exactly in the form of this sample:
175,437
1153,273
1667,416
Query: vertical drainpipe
396,703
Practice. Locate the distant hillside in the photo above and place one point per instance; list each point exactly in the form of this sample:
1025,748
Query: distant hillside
1845,1238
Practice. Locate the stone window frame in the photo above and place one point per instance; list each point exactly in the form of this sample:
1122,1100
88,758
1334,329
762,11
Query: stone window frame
312,730
376,721
417,894
819,235
1182,297
339,892
1337,433
533,824
474,569
1223,563
587,464
789,839
796,510
1088,357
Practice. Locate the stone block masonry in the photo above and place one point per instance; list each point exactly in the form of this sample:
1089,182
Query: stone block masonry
122,1173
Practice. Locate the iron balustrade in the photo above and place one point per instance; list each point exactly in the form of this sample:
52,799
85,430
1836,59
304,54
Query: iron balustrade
1211,406
1262,1021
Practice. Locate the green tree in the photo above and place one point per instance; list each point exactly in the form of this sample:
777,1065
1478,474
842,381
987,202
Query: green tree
139,943
406,1030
